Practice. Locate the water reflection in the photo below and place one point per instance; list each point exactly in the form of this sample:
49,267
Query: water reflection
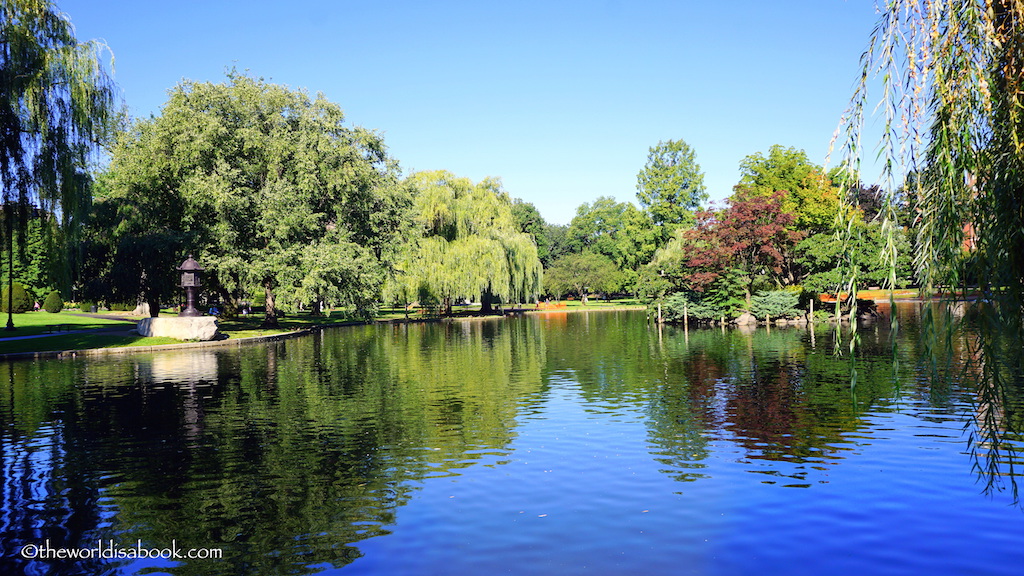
290,455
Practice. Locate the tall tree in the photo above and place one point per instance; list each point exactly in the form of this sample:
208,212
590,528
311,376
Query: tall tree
467,244
581,274
671,185
56,100
742,244
617,230
811,196
530,221
258,176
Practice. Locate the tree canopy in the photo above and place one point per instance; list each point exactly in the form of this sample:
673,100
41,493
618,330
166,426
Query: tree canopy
466,244
269,188
671,184
56,102
811,196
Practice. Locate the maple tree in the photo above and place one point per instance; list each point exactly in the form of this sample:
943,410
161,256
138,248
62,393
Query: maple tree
740,244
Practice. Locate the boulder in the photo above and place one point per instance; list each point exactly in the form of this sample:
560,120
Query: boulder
183,328
745,319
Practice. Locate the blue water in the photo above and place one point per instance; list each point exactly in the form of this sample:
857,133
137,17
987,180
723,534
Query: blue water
561,444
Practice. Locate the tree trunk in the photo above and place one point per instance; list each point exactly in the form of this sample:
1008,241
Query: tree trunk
487,302
154,305
270,319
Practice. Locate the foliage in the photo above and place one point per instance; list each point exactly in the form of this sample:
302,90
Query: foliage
736,247
530,221
39,262
254,177
466,244
811,196
581,274
671,185
953,113
53,303
819,254
617,230
56,100
776,304
15,299
86,305
706,306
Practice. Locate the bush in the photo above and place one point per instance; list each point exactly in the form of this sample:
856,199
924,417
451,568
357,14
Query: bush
54,303
776,304
697,306
22,301
86,305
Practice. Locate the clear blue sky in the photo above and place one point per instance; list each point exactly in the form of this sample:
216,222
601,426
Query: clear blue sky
561,100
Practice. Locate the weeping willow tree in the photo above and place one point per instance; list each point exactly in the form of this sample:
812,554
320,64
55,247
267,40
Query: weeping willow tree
55,103
467,245
951,77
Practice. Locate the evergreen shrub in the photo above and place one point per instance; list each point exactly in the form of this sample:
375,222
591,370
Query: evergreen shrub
776,304
53,303
22,301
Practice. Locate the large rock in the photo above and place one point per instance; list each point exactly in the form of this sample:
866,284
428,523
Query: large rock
196,328
745,319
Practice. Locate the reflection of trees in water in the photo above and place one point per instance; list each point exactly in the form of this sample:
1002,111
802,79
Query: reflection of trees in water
769,392
286,457
976,351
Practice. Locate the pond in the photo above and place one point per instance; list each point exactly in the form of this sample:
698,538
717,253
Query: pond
582,443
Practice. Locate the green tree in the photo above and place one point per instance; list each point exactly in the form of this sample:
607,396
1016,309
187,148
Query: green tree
466,244
581,274
530,221
254,176
617,230
671,185
811,196
55,103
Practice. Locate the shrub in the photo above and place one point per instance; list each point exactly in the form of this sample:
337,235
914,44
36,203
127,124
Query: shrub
21,302
54,303
776,304
698,306
86,305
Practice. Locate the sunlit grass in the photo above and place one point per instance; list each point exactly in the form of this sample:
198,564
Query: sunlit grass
31,323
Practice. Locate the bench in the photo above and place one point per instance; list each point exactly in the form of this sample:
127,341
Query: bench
53,328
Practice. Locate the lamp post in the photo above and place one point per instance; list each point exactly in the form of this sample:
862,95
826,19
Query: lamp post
190,270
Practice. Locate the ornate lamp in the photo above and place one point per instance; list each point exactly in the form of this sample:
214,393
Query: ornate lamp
190,277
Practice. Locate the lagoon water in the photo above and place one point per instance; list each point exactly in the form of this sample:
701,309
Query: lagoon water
587,443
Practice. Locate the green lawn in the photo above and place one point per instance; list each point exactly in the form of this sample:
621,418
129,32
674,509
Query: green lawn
31,323
81,341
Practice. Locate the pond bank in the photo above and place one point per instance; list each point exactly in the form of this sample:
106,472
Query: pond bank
229,341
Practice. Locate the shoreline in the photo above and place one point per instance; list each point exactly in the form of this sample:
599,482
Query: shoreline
121,350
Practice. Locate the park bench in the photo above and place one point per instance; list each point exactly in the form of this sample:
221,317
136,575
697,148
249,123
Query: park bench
53,328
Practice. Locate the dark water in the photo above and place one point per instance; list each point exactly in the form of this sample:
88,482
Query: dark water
558,444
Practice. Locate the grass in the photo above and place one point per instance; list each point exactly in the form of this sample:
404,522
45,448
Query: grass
33,323
80,341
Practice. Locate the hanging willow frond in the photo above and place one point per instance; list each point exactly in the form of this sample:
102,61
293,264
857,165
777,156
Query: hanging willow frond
469,244
951,76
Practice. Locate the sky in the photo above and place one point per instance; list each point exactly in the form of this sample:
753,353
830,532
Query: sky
561,100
